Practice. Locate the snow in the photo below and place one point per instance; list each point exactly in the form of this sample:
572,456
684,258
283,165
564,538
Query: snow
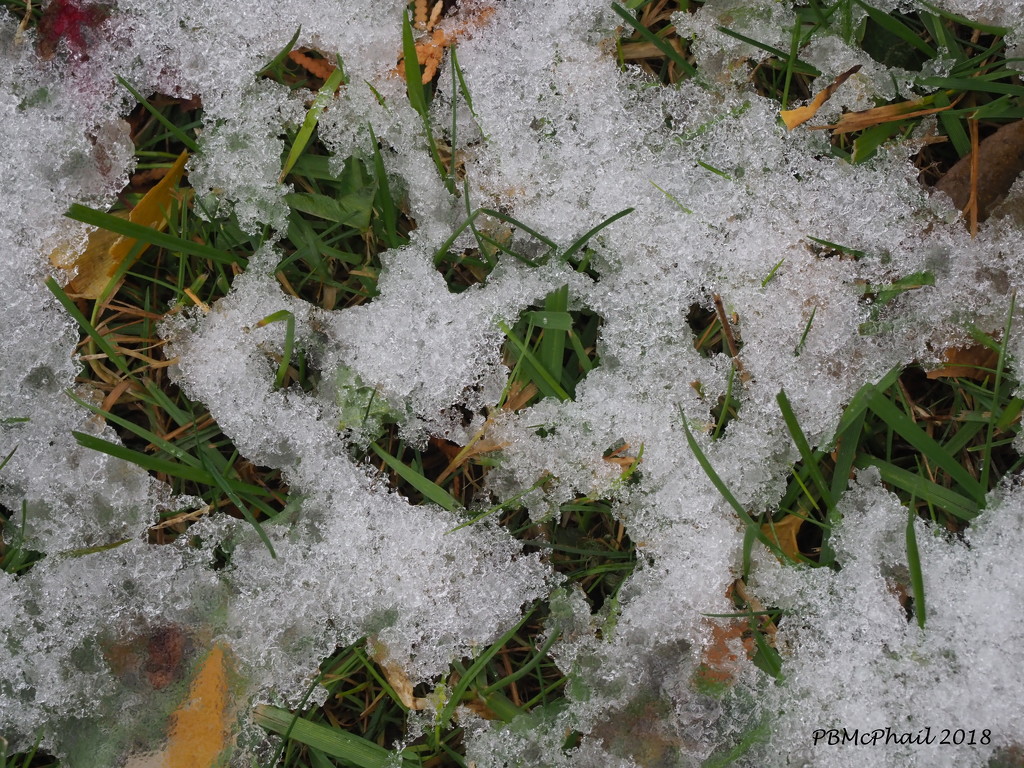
562,145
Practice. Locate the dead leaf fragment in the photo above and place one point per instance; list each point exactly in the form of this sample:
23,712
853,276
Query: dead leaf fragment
887,113
106,251
1000,159
784,534
794,117
396,675
975,362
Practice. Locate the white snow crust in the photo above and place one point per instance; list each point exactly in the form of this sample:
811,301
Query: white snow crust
563,140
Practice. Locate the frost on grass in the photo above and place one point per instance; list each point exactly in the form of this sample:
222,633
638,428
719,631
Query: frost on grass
726,202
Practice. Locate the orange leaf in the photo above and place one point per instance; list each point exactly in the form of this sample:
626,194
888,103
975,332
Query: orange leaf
106,251
719,661
200,729
794,117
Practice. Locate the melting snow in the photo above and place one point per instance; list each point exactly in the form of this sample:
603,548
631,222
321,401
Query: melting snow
569,141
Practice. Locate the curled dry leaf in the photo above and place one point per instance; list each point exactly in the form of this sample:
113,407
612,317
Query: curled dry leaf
794,117
888,113
784,533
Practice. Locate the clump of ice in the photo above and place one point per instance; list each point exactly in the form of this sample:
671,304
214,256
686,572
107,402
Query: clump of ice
952,676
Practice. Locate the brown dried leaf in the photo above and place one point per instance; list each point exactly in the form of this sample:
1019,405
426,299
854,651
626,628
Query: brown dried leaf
719,661
975,362
888,113
1000,160
396,675
794,117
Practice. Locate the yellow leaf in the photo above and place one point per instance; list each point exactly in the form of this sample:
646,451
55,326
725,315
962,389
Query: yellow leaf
794,117
106,251
396,675
200,728
199,733
784,534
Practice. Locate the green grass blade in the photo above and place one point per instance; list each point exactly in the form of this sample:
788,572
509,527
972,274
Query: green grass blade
418,98
149,235
386,203
810,460
144,460
914,566
413,72
753,529
278,60
859,402
921,487
86,326
799,67
581,242
903,425
430,490
551,351
986,467
289,342
334,742
543,378
893,26
147,435
175,131
225,486
971,84
469,678
320,101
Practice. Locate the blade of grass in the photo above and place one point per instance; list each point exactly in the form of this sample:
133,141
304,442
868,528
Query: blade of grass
478,665
922,488
149,235
320,101
335,742
895,27
278,60
388,209
581,242
914,566
899,422
175,131
551,351
545,382
430,490
101,341
289,342
418,98
220,482
752,528
799,67
144,460
986,467
810,460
